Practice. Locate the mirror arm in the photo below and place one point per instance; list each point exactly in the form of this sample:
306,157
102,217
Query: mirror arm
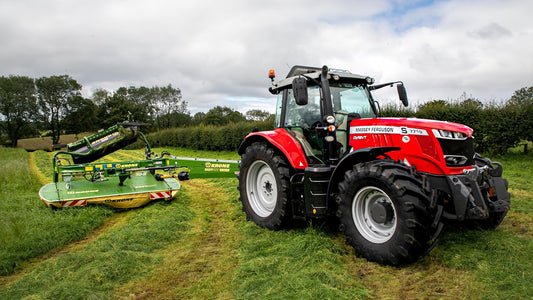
376,87
312,79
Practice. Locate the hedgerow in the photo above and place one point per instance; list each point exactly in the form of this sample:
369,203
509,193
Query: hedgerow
497,126
206,137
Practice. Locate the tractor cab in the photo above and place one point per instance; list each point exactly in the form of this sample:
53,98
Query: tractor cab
316,105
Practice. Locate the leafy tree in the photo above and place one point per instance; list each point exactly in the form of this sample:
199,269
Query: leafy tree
174,119
221,116
82,116
54,94
198,118
162,106
100,96
17,106
258,115
170,109
124,104
522,101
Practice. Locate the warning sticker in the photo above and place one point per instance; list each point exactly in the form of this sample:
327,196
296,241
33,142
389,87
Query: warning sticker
387,129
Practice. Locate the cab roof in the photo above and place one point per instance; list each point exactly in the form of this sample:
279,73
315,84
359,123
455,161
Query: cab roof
314,73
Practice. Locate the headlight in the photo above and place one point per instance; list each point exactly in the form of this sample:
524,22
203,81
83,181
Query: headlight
450,135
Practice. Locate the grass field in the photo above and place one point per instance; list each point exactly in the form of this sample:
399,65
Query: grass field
199,246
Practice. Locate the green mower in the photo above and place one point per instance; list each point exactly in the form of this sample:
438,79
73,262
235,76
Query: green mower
79,181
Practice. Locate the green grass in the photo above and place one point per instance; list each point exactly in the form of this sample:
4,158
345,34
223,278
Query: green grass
27,227
503,263
200,246
301,263
118,256
501,259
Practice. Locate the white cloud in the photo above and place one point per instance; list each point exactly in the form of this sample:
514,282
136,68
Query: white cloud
219,52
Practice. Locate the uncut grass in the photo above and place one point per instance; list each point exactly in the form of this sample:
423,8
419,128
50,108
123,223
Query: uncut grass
501,259
27,228
502,262
118,256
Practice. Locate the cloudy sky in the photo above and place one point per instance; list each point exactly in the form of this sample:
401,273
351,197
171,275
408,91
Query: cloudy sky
219,52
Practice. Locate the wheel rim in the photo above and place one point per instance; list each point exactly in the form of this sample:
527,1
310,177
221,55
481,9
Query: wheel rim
374,214
261,188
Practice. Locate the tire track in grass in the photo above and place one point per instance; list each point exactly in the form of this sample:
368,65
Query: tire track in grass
201,265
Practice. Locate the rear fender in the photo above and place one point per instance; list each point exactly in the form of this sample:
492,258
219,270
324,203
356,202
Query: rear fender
355,157
281,140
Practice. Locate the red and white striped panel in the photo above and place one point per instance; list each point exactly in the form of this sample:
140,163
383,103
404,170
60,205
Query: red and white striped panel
158,195
73,203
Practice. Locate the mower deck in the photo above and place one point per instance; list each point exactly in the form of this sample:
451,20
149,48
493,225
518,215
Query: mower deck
136,191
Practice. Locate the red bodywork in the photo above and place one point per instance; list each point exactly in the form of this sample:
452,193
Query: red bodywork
415,137
286,143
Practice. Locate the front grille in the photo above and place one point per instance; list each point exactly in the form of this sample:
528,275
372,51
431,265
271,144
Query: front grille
458,153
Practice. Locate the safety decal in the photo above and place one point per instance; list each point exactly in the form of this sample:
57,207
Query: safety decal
73,203
387,129
158,195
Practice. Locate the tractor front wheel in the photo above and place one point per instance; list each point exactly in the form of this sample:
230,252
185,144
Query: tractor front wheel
387,214
264,186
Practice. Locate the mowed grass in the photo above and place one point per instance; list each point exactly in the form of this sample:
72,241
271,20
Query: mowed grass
299,263
199,246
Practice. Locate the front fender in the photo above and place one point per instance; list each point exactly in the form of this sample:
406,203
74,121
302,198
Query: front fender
281,140
353,158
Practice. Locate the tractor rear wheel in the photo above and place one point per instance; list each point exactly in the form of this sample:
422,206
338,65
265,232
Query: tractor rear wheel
264,186
387,214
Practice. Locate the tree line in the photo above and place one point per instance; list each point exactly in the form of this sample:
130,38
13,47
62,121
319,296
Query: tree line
54,105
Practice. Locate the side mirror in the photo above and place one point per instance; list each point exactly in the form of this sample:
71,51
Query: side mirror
402,93
299,88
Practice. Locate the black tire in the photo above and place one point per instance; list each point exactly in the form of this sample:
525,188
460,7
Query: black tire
264,186
388,213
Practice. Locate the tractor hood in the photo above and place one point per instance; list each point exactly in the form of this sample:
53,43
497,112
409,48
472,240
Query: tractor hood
391,124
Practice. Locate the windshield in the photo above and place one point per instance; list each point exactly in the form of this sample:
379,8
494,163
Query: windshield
350,99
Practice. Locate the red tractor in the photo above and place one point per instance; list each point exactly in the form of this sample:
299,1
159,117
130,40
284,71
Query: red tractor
390,182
